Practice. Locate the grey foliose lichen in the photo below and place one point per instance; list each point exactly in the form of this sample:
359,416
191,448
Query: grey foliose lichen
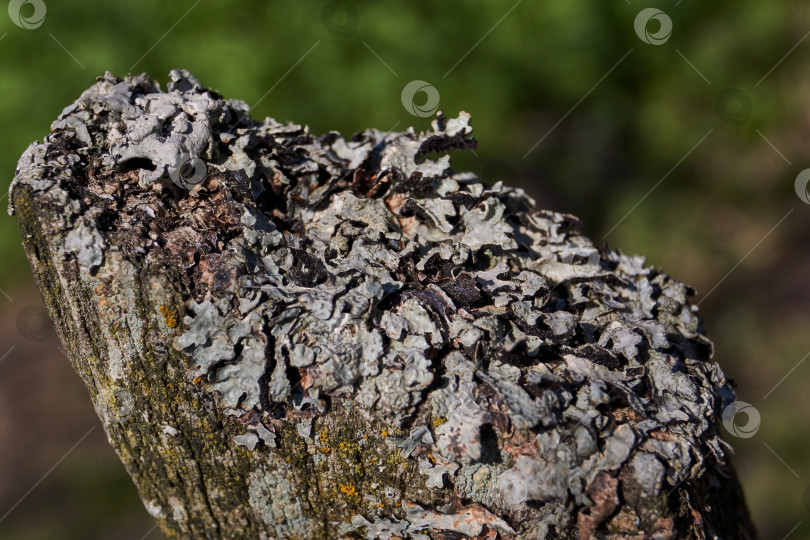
527,367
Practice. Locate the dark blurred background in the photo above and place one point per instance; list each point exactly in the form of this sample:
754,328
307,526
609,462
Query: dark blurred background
680,145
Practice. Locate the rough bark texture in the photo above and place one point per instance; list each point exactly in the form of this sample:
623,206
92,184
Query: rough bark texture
290,336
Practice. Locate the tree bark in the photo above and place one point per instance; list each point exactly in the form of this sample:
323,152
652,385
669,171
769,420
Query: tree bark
129,264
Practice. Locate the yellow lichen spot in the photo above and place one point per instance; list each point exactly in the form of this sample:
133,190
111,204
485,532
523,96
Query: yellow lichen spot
343,446
198,380
384,432
431,458
324,440
439,420
380,505
481,476
348,490
170,315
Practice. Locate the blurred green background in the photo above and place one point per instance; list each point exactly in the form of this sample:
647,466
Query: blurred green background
685,151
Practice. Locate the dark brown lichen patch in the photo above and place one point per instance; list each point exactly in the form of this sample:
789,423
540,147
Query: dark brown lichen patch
517,364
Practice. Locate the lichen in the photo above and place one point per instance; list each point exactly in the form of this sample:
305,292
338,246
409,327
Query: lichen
169,315
518,366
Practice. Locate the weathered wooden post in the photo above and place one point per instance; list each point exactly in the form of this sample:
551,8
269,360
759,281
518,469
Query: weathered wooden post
299,336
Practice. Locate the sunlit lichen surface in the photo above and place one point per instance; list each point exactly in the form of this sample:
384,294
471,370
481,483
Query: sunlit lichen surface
545,385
